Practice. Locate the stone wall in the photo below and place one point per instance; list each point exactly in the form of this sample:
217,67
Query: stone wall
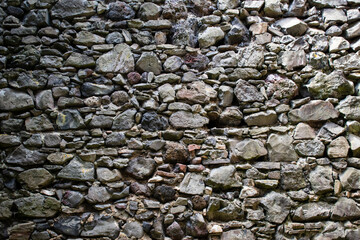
179,119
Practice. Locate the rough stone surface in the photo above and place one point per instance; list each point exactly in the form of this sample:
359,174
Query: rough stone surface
279,148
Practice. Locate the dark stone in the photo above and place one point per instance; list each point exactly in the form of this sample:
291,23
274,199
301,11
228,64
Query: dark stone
164,193
198,62
118,11
176,153
140,189
174,231
70,226
72,199
196,226
152,122
25,157
199,202
141,168
115,139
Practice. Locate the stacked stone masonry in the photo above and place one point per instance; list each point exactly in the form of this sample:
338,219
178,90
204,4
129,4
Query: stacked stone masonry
180,119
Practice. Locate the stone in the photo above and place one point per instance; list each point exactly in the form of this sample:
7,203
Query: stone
59,158
36,178
345,209
338,148
248,149
133,229
350,179
291,60
124,120
261,118
106,175
167,93
172,64
238,33
158,24
38,124
69,226
141,168
280,148
14,100
223,210
231,116
25,157
226,96
354,144
348,62
277,207
292,26
350,107
251,56
244,73
245,92
72,199
119,60
69,119
44,100
210,36
315,110
238,234
273,8
34,80
164,193
312,212
151,121
227,4
184,32
333,14
5,209
97,194
79,61
196,226
149,62
182,119
101,226
149,11
353,31
292,177
176,153
174,231
337,44
335,85
311,148
70,9
118,11
88,39
223,178
226,59
78,170
279,87
192,184
115,139
197,92
37,206
9,141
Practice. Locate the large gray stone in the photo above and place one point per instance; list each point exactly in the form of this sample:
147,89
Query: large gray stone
124,120
97,194
101,226
261,118
248,149
36,178
291,60
223,178
141,168
251,56
277,207
321,179
348,62
345,209
72,8
78,170
334,85
312,212
280,148
39,123
193,183
37,206
120,59
14,100
350,179
315,110
245,92
182,119
210,36
26,157
292,26
223,210
350,107
149,62
69,119
311,148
